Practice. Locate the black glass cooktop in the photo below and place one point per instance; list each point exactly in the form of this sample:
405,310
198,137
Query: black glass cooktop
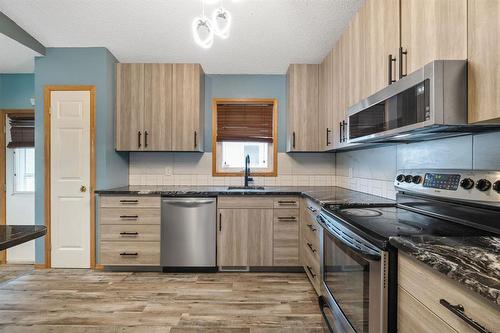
382,222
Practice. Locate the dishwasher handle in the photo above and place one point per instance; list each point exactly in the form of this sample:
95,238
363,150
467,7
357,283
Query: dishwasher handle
191,202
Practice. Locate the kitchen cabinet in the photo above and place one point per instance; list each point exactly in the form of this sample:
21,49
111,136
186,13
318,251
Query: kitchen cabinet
355,63
326,119
484,60
129,230
430,30
129,106
159,107
381,29
420,308
257,231
310,233
188,100
302,108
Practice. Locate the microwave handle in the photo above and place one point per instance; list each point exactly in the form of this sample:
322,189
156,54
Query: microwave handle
369,255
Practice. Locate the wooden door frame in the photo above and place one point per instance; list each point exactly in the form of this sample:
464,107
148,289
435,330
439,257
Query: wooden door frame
47,169
3,168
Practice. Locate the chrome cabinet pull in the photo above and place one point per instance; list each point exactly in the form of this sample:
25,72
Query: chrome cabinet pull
459,311
312,209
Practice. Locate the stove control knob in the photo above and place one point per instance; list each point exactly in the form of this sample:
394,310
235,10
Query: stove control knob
483,185
416,179
496,186
467,183
408,178
400,178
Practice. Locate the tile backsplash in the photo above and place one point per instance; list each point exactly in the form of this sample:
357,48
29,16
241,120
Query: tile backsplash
311,169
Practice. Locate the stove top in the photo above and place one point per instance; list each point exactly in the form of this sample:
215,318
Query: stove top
378,223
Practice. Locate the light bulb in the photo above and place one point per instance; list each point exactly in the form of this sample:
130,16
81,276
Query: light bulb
221,19
200,23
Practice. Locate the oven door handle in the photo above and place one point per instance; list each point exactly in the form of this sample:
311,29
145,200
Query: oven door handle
367,254
322,305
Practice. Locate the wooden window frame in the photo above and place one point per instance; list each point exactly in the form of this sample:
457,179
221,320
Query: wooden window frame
215,102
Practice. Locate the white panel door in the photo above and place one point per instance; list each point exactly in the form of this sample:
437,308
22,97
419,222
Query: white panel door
70,179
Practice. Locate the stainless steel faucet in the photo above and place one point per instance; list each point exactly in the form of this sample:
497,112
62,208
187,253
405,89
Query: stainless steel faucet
247,171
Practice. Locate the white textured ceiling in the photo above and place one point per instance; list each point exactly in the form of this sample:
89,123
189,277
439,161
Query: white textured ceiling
15,57
266,35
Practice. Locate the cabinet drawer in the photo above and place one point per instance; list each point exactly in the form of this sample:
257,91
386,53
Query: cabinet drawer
311,246
414,317
129,201
130,232
286,215
286,202
311,208
130,253
130,216
311,230
312,268
429,287
245,201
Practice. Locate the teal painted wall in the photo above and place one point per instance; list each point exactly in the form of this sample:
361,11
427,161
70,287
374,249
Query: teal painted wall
79,66
16,90
246,86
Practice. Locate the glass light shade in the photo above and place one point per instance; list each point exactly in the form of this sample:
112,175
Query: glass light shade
200,23
221,20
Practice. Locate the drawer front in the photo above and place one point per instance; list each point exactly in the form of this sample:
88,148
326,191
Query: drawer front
129,201
311,230
414,317
311,246
286,237
130,253
245,201
130,232
312,268
287,215
286,202
429,287
311,209
130,215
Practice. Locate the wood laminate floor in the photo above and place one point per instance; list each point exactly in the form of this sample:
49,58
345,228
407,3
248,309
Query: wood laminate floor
79,301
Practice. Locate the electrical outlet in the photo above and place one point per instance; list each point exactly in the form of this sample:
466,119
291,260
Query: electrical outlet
168,171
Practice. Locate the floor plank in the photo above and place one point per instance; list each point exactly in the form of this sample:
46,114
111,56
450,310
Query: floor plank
85,301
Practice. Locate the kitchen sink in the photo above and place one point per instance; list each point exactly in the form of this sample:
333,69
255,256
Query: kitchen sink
245,188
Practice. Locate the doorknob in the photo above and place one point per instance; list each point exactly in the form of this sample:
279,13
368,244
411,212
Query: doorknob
83,188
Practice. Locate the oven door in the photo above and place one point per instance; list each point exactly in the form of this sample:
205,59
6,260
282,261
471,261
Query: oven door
354,284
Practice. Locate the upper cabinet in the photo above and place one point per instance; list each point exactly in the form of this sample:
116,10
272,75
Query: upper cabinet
430,30
159,107
303,108
188,111
326,123
484,60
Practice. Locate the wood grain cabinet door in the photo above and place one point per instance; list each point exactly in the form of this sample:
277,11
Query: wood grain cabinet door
187,107
303,110
158,107
326,108
431,30
129,107
233,237
260,237
484,60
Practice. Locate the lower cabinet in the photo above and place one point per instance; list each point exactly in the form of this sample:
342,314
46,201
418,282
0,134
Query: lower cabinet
310,233
257,231
129,230
423,295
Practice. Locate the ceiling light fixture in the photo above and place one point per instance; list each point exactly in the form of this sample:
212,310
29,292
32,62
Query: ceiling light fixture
205,29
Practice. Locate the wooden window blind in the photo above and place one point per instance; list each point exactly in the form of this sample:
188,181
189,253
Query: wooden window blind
22,131
245,122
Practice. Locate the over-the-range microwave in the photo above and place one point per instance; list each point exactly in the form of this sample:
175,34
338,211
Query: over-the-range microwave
427,104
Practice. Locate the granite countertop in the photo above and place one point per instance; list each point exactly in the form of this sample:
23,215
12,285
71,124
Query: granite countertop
12,235
474,262
320,194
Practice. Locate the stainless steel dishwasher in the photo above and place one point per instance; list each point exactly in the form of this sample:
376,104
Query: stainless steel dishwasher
188,234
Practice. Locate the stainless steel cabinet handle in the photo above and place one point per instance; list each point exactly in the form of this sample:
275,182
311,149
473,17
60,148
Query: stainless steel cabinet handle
344,131
129,254
328,131
459,311
312,209
311,271
188,202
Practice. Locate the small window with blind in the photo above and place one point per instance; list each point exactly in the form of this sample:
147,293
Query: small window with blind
244,128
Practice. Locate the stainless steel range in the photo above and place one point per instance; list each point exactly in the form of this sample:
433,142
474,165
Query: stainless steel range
359,266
